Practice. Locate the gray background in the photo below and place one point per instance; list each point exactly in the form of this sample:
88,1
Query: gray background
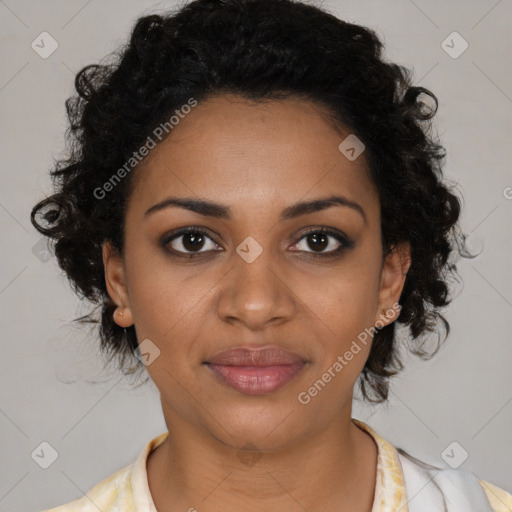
52,387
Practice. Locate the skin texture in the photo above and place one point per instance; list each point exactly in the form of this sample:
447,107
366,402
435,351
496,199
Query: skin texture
256,158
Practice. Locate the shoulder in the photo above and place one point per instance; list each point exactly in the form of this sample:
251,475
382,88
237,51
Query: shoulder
110,495
453,489
458,488
500,500
126,490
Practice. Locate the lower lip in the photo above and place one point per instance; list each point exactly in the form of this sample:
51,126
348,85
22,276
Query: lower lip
252,380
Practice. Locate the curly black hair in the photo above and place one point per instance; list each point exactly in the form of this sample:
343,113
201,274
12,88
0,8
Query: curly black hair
257,49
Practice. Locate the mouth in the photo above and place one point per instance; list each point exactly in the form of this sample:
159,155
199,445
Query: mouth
256,371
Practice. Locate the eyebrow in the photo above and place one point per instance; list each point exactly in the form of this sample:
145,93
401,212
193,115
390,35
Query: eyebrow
219,211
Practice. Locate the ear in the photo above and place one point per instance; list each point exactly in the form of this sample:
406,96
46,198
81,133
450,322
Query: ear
393,274
115,281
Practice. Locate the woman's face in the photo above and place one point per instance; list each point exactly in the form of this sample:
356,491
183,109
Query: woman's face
254,277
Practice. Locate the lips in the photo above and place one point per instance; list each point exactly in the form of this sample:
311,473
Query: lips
255,371
266,356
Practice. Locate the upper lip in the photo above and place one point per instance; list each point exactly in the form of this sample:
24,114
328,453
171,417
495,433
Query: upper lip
265,356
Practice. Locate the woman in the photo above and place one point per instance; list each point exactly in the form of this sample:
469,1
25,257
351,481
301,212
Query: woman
254,199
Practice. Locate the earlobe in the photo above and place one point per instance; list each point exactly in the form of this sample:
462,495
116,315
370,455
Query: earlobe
115,282
393,275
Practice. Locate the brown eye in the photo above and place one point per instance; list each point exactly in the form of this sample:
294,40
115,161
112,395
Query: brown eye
193,241
190,241
318,241
321,239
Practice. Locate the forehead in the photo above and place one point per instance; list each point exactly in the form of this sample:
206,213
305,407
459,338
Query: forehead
253,155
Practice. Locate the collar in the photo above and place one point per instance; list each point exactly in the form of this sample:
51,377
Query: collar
390,485
139,477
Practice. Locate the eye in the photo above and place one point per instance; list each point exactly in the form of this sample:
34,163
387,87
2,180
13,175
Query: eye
190,241
321,239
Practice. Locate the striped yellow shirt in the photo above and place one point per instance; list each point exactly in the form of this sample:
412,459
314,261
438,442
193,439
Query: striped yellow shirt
127,490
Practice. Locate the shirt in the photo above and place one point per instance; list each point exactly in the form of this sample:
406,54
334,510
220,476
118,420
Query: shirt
127,490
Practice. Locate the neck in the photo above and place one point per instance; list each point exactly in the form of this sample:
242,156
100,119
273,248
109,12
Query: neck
332,470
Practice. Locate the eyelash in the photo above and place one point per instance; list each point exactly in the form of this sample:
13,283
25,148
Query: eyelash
345,242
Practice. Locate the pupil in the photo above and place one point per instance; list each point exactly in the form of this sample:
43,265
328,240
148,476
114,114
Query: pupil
195,240
316,236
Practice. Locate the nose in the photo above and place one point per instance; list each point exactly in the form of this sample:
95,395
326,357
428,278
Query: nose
256,293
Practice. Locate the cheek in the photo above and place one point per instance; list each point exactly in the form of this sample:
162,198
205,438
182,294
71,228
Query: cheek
166,307
347,311
345,348
349,303
160,292
171,307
